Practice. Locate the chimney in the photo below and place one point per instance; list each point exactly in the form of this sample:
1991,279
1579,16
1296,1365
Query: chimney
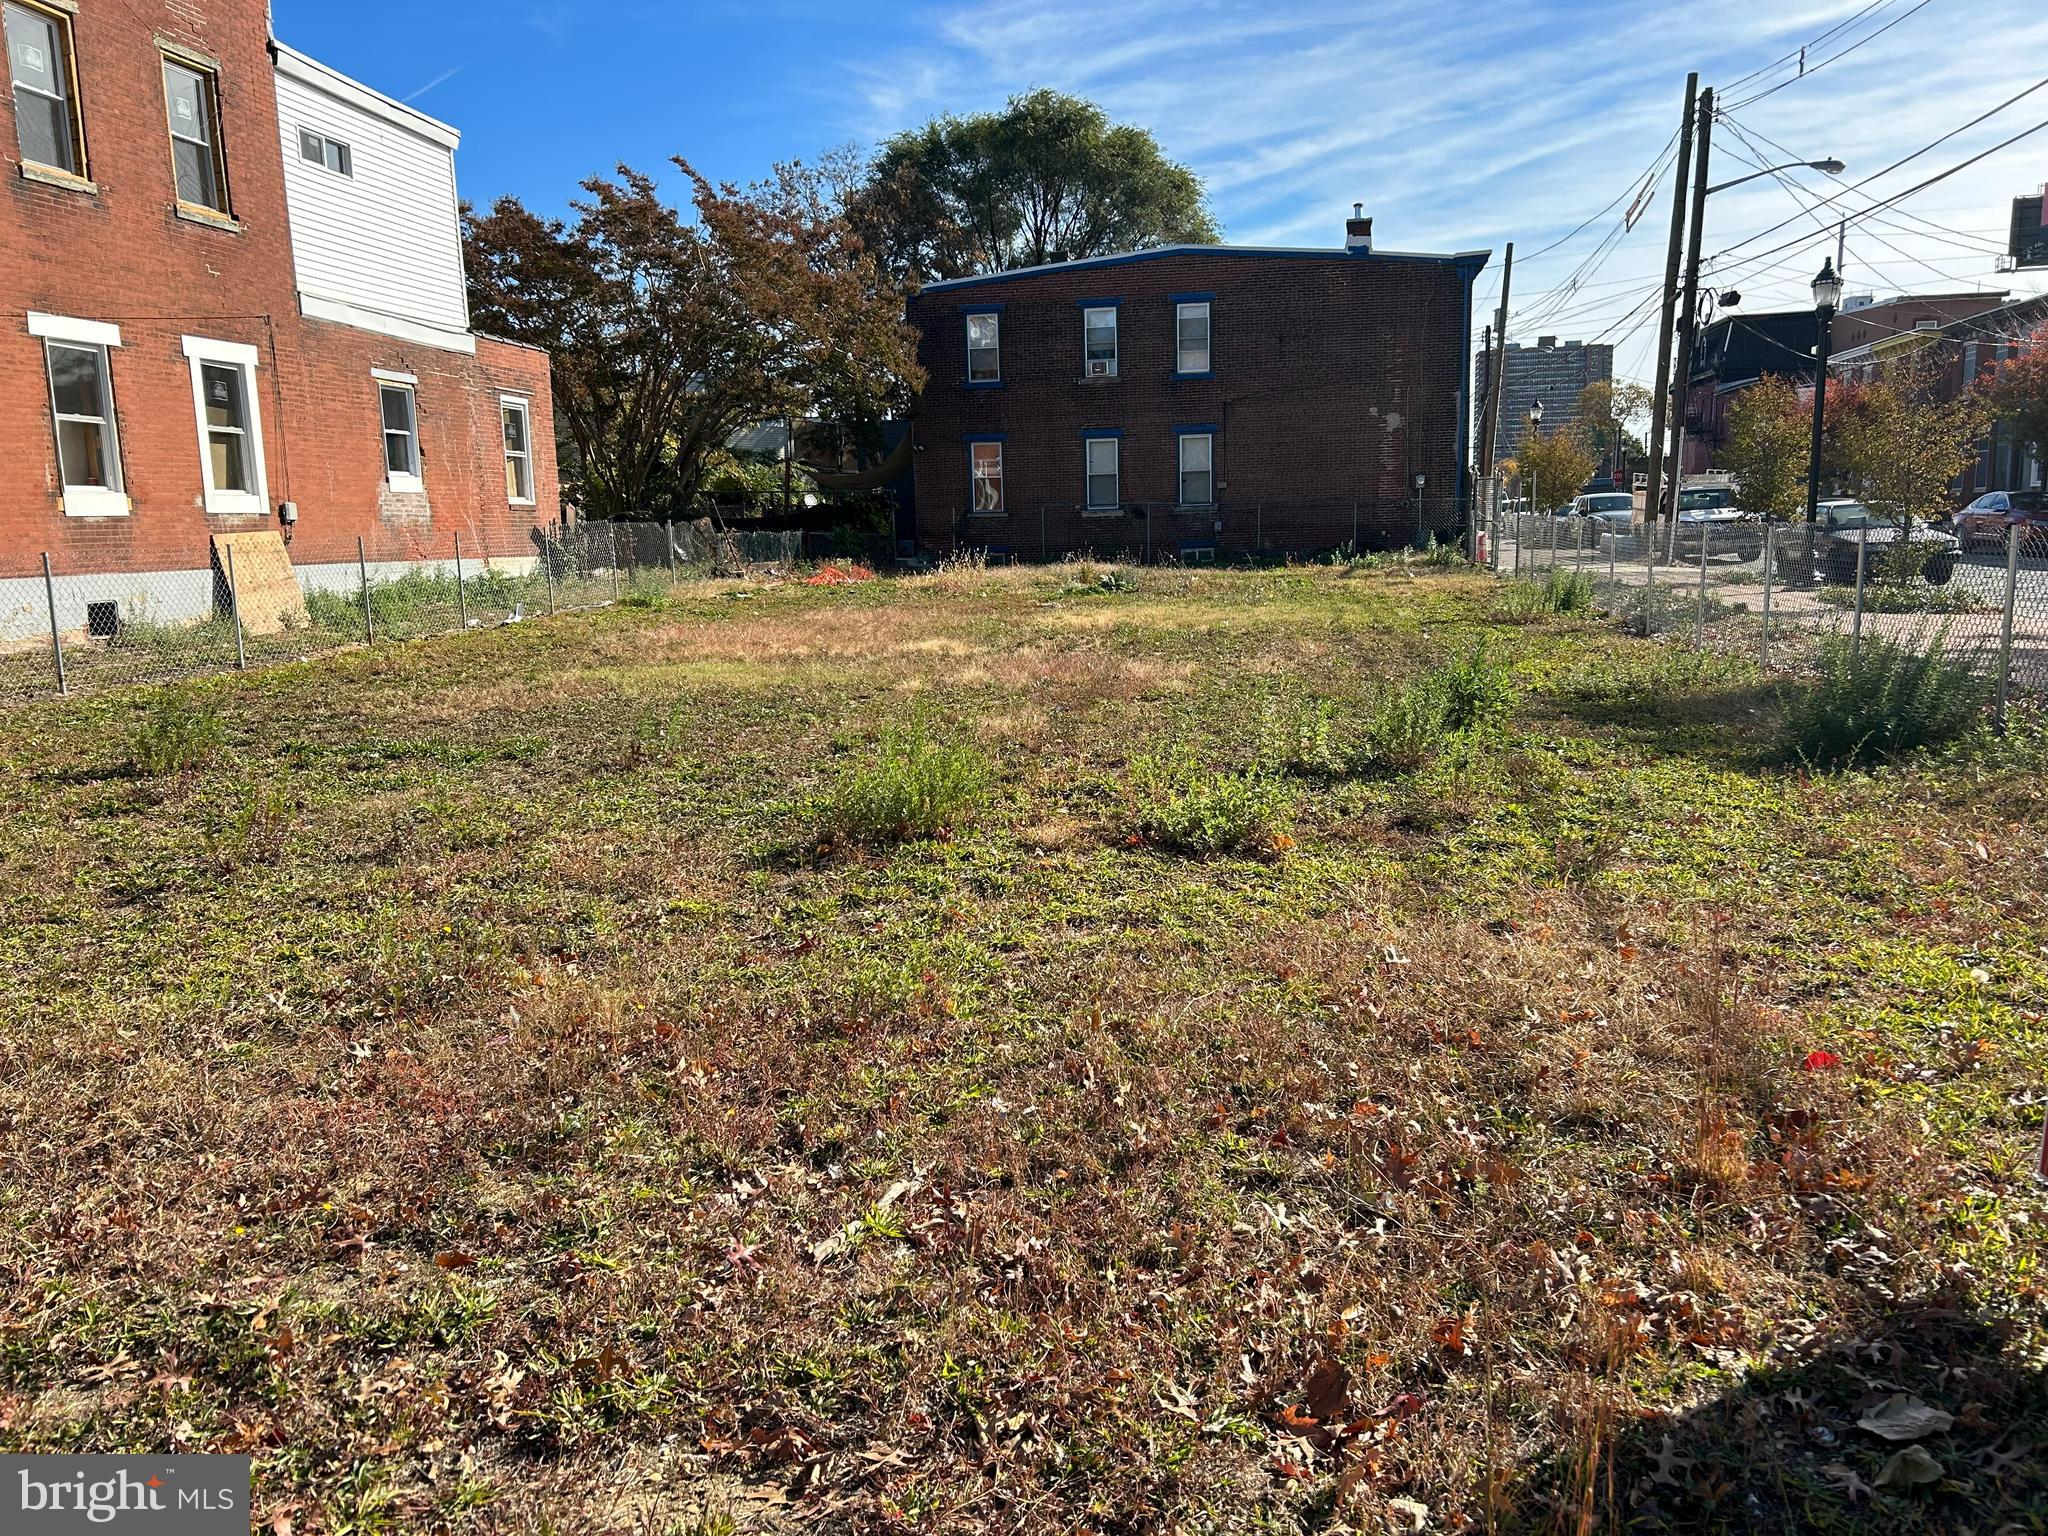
1358,232
1546,343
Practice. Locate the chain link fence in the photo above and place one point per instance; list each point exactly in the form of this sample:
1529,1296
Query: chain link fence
1165,532
64,630
1775,590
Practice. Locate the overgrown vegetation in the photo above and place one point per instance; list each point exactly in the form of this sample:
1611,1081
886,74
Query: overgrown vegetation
1881,701
912,786
479,1099
180,730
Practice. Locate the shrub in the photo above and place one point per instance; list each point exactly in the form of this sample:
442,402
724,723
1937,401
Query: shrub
913,787
1561,591
1882,703
1474,690
1405,730
1180,805
180,732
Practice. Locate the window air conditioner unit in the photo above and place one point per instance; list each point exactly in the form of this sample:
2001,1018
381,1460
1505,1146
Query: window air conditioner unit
1101,369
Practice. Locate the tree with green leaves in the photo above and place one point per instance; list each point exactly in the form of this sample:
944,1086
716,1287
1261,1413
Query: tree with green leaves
1768,449
1049,178
1555,466
1607,406
669,333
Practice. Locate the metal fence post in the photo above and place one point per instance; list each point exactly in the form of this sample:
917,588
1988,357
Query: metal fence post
461,597
56,637
235,610
1650,584
2012,588
363,572
668,544
1764,655
1354,525
612,535
547,570
1579,545
1700,635
1856,625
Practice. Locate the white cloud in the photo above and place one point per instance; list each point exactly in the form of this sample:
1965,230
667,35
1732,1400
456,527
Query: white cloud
1464,126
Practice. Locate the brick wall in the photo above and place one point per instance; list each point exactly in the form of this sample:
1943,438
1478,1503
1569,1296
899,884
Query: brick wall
118,251
1335,380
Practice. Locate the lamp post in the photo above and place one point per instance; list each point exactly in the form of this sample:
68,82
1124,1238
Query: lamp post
1535,431
1827,293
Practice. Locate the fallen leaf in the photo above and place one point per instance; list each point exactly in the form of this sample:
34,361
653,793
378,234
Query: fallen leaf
1820,1061
1910,1468
1900,1417
1328,1385
454,1260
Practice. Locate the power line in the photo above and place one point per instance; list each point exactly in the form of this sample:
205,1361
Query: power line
1800,52
1831,58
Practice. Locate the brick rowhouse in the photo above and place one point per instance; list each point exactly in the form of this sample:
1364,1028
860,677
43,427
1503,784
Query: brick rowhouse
154,265
1256,399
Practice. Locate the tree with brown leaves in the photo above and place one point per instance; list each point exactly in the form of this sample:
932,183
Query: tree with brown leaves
671,333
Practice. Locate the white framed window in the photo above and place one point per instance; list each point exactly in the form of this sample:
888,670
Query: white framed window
192,98
1105,481
985,478
399,417
518,419
40,63
985,348
1191,337
318,149
1197,469
79,373
1098,343
230,427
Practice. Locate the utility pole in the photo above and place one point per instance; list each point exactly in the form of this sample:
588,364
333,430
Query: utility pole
1497,373
1681,382
1661,403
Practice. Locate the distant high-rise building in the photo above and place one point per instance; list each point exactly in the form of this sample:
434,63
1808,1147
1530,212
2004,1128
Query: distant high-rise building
1549,372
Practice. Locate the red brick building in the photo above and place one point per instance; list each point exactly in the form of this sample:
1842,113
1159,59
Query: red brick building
231,298
1197,399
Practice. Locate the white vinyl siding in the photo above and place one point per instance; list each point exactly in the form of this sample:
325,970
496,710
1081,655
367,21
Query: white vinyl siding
376,238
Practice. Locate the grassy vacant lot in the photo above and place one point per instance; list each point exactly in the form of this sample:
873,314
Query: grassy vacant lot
499,1086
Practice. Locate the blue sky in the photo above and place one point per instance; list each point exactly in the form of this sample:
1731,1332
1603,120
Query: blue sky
1459,125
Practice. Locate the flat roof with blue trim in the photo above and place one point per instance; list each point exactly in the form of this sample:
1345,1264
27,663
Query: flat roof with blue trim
1475,260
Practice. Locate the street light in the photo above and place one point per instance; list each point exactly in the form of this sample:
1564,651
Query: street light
1827,293
1535,431
1825,167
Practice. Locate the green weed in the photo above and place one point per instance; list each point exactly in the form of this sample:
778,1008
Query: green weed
913,787
1882,703
1181,805
180,732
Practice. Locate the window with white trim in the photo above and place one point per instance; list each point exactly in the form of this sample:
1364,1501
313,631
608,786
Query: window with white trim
985,477
1104,480
192,98
518,419
1098,343
318,149
1197,469
88,447
1191,337
230,426
398,410
39,61
984,348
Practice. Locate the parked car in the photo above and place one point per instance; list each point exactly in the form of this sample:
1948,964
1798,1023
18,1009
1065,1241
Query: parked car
1843,526
1613,510
1984,523
1709,515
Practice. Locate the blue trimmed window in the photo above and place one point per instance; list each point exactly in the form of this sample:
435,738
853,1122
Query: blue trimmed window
1197,463
1191,353
985,476
1098,341
1102,470
984,348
